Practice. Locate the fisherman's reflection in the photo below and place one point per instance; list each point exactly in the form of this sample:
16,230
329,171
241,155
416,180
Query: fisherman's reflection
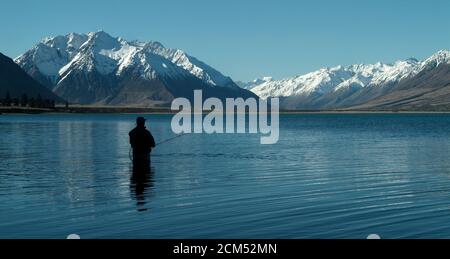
141,182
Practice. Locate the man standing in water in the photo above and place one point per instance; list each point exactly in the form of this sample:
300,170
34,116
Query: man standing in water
141,141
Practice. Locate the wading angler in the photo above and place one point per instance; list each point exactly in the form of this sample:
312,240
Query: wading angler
234,111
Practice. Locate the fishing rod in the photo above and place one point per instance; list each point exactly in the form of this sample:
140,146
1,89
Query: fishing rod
170,139
158,144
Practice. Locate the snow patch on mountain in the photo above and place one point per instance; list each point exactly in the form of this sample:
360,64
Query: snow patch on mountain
339,78
253,83
55,57
441,57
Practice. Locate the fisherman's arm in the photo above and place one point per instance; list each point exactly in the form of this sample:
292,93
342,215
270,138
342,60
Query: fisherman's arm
152,141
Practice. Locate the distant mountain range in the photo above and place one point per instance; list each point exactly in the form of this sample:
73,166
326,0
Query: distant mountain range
96,68
15,82
407,84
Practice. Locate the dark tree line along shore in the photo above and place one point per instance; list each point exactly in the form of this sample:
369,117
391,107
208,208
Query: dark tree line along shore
26,101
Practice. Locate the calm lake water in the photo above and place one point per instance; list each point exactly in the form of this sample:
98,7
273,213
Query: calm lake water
329,176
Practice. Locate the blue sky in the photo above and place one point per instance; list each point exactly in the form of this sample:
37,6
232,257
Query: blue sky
245,38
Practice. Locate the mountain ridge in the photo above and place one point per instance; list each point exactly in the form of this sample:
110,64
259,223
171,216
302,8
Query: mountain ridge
16,83
344,87
97,68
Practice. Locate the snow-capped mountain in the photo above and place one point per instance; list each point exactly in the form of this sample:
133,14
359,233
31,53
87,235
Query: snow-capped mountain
340,86
428,89
441,57
254,83
333,79
96,68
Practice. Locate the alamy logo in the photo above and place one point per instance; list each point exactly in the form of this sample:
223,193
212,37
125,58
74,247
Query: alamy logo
235,111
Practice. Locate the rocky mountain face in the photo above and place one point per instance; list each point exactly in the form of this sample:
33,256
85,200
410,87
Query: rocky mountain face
428,90
96,68
16,82
362,86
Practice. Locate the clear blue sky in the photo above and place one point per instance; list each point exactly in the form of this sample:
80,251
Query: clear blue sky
245,38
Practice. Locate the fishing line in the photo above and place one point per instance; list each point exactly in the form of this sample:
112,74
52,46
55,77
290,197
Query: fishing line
170,139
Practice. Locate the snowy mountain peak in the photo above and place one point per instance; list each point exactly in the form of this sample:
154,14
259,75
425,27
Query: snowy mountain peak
339,78
97,68
267,78
441,57
100,34
255,82
334,69
62,43
101,41
75,40
98,51
411,60
154,45
442,54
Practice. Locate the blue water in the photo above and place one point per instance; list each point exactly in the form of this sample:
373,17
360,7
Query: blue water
329,176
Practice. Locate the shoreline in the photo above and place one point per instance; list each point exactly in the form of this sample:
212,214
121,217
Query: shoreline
142,110
85,110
